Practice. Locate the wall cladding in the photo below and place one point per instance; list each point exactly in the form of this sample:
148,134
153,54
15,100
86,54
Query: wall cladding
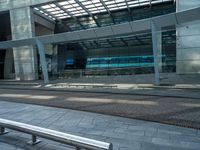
188,46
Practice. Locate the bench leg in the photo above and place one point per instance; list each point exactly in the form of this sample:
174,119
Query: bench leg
2,131
78,148
34,140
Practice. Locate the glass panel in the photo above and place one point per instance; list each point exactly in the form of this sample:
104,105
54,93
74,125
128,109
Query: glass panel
85,7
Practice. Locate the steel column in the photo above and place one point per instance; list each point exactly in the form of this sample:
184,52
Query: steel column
41,51
2,130
155,53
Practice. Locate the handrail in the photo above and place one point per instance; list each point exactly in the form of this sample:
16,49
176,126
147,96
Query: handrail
69,139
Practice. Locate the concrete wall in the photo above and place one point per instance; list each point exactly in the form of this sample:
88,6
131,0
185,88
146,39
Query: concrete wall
13,4
25,58
9,72
188,45
42,30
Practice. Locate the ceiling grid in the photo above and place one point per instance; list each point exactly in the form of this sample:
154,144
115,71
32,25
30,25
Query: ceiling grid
75,8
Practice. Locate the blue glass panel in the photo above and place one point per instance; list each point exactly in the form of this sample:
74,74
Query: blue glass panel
69,61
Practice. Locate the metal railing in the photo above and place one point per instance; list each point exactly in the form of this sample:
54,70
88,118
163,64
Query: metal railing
69,139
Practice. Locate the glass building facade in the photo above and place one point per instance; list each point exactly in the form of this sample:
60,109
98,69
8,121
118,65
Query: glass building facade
128,54
124,54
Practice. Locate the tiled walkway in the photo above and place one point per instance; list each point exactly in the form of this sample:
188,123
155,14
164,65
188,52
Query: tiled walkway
125,134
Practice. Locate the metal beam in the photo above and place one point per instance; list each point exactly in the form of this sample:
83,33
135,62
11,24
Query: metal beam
109,42
131,28
61,22
96,43
74,17
150,3
139,40
41,51
107,9
77,1
84,45
126,44
129,10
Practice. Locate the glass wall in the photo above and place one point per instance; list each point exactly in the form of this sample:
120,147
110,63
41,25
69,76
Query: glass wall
125,55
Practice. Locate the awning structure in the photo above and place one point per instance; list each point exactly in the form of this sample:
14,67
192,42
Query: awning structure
130,28
151,25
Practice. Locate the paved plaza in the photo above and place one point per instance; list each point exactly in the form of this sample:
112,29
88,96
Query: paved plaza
125,134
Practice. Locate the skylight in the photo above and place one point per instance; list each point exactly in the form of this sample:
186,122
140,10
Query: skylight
74,8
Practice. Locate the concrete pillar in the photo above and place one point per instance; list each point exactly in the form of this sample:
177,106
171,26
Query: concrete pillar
55,60
25,58
10,4
156,51
8,65
188,45
43,62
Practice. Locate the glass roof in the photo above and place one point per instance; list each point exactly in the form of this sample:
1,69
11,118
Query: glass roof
74,8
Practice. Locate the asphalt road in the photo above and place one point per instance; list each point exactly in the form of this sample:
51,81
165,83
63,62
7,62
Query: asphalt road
170,110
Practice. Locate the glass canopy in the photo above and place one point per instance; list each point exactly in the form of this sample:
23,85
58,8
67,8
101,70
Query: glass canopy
74,8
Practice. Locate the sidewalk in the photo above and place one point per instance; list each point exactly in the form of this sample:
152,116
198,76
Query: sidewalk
177,90
125,134
167,80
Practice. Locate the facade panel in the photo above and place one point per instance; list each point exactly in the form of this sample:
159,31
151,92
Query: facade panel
188,45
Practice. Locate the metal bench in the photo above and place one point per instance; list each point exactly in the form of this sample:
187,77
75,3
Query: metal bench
69,139
86,85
